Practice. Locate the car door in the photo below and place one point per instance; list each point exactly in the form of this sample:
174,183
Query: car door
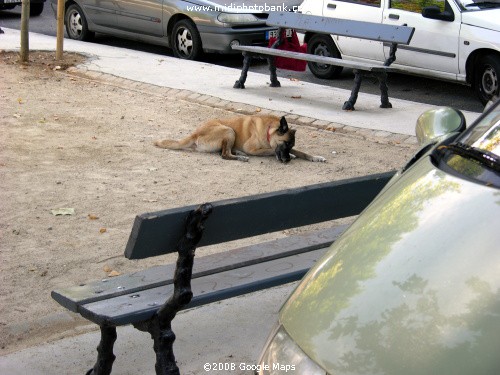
359,10
140,16
100,12
435,43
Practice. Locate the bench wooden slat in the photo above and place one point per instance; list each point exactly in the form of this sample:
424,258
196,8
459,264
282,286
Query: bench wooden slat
342,27
137,307
371,67
158,233
72,297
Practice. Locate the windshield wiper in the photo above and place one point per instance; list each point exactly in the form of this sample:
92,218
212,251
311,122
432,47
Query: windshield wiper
486,158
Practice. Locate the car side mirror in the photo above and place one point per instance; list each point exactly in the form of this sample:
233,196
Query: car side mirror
437,124
435,13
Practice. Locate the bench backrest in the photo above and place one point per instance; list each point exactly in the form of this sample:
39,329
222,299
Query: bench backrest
158,233
342,27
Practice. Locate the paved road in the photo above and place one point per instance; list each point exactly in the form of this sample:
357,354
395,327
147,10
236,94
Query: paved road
406,87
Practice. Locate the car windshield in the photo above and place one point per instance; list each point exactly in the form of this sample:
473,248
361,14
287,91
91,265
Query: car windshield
469,5
476,153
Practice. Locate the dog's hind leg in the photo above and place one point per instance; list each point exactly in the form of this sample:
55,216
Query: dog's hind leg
226,151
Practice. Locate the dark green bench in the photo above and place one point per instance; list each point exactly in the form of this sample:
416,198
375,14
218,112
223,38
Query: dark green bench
151,298
393,35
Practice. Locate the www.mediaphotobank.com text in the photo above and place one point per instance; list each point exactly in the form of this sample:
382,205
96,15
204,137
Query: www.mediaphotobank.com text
244,7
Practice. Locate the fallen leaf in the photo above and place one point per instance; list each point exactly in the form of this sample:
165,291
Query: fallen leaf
93,217
114,273
63,211
296,97
258,110
20,100
106,268
102,230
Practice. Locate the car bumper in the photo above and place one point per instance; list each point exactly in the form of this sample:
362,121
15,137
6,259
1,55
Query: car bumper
219,39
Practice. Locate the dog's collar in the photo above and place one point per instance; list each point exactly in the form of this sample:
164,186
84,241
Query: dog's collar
268,135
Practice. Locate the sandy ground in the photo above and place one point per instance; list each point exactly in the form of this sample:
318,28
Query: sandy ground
72,142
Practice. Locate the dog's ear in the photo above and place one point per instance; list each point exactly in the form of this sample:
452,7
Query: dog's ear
283,128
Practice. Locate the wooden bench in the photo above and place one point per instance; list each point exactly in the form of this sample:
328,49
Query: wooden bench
151,298
393,35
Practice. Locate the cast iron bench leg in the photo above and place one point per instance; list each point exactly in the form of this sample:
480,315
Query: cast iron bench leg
247,59
105,356
272,70
160,326
384,90
349,105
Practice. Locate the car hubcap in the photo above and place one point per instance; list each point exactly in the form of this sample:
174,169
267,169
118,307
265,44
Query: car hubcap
75,23
489,81
322,50
184,42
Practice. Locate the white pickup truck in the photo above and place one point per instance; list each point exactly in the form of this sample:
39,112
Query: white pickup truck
455,40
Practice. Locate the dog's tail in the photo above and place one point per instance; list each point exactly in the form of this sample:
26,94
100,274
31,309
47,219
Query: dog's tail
185,143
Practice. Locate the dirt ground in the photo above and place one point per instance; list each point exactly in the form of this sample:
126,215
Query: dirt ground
72,142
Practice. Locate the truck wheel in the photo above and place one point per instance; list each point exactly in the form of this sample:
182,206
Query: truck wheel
36,9
76,24
323,45
487,76
185,40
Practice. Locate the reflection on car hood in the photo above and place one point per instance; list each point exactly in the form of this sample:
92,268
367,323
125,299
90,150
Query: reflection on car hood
486,19
413,287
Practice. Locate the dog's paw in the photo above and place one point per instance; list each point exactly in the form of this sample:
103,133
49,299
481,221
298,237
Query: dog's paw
319,159
292,156
243,158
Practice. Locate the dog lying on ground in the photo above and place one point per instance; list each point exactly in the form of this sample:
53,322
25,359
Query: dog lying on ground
237,137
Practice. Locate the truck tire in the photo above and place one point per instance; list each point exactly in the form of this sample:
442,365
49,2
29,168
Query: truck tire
323,45
487,77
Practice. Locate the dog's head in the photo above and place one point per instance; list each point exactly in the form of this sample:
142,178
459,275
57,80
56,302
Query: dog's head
283,140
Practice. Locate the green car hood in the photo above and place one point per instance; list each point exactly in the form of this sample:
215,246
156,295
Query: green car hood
413,286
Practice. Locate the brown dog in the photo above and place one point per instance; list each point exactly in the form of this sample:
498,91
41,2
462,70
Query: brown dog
237,137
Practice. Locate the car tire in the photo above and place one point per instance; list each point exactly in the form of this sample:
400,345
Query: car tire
76,24
323,45
36,9
487,76
186,40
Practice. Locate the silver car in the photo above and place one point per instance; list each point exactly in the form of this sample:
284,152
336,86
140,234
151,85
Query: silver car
413,286
187,27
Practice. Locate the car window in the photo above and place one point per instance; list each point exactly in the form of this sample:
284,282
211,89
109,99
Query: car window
372,3
416,6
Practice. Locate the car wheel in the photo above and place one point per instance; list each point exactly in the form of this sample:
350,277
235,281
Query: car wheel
487,75
76,24
36,9
186,41
323,45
